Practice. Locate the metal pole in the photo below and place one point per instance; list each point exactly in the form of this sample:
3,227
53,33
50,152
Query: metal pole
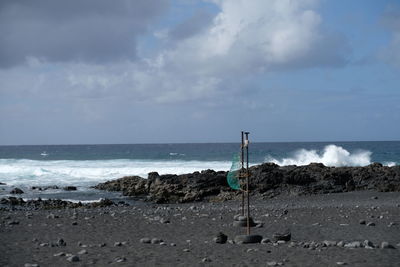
241,172
247,183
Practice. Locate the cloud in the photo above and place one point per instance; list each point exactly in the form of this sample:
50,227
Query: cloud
94,31
391,20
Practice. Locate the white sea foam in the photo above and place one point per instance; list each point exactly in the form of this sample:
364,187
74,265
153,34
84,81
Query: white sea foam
89,172
331,155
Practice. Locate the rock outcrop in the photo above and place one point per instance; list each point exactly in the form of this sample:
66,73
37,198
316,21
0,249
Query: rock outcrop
267,180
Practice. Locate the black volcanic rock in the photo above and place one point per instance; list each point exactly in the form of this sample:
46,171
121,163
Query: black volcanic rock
267,179
16,191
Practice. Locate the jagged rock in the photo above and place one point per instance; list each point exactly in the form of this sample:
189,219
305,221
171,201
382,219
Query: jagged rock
16,191
70,188
267,179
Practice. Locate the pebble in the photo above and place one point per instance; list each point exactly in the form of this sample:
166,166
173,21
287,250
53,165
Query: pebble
341,263
363,222
186,250
328,243
206,260
386,245
221,238
120,259
60,254
44,244
61,242
117,244
368,244
13,222
172,245
354,244
73,258
272,263
371,224
145,240
31,265
101,245
392,224
165,220
74,223
156,241
340,244
286,236
265,241
83,251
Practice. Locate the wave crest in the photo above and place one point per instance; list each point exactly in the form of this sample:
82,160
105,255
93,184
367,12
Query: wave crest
331,155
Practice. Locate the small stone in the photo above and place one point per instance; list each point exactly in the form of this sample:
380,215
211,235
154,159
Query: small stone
354,244
363,222
120,259
61,242
371,224
221,238
163,244
265,241
73,258
206,260
386,245
340,244
117,244
186,250
286,236
13,223
328,243
60,254
101,245
368,244
281,242
272,263
374,197
31,265
392,224
145,240
83,251
156,241
74,223
341,263
44,244
164,220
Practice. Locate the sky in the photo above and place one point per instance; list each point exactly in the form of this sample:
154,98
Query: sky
179,71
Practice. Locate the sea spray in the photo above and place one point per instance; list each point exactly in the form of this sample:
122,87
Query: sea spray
331,155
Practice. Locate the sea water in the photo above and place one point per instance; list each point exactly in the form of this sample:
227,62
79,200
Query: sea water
87,165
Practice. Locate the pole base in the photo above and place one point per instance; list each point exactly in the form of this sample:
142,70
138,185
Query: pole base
248,239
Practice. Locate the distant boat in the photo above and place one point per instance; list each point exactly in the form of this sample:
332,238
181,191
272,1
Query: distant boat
44,154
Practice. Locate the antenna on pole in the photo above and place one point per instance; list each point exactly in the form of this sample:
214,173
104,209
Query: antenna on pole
242,176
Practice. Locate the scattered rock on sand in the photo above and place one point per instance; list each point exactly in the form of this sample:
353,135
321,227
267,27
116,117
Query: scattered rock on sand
265,241
206,260
371,224
221,238
117,244
363,222
16,191
73,258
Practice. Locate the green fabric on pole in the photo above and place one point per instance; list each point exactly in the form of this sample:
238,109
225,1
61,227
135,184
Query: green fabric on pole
233,174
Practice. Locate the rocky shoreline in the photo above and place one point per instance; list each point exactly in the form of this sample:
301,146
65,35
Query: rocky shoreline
267,180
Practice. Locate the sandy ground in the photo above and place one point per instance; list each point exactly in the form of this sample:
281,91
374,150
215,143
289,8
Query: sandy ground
111,236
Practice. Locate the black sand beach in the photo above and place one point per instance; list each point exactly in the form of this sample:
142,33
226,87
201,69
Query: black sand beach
325,230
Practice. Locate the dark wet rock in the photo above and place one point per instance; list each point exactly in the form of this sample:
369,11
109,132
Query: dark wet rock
267,179
44,188
70,188
285,236
16,191
221,238
2,183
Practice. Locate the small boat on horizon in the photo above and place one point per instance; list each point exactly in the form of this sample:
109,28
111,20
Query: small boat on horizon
44,154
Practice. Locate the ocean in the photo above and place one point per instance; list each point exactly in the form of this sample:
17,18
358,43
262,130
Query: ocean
86,165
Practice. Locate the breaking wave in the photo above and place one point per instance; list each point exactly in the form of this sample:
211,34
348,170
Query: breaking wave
331,155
